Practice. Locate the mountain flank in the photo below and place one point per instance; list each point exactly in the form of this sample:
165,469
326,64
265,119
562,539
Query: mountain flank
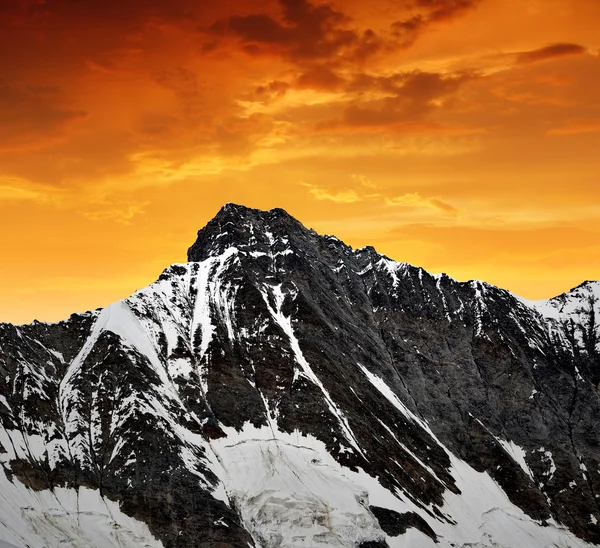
281,389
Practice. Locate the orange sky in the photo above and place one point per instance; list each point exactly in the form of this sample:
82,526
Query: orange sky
459,135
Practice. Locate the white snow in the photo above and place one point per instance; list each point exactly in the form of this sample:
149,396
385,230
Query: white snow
66,518
291,492
202,316
124,323
212,294
392,268
77,362
479,305
387,392
576,305
485,517
517,453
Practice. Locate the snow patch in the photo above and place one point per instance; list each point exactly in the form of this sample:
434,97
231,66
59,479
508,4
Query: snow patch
517,453
388,393
485,517
291,492
66,517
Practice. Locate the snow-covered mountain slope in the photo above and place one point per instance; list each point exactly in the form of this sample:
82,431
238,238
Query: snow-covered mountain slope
282,389
67,518
575,317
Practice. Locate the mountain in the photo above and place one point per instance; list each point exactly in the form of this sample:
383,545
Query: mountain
281,389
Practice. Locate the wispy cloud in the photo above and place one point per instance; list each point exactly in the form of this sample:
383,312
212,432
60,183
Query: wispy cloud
17,189
363,181
340,196
550,51
119,214
364,189
576,127
414,199
360,189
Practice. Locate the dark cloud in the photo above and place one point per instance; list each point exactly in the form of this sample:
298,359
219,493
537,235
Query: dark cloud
417,87
550,52
271,90
406,32
407,100
321,77
307,32
319,31
28,114
324,42
304,31
425,14
446,10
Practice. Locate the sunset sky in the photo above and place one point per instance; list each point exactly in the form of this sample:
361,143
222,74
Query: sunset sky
458,135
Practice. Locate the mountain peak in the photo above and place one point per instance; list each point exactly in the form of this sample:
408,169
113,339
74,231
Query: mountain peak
244,212
240,226
593,286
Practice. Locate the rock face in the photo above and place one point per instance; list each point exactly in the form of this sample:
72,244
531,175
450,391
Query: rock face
282,389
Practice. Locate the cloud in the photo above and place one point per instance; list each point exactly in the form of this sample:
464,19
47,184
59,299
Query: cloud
271,90
321,77
363,190
426,14
446,10
10,192
576,127
330,52
362,180
31,114
305,32
347,196
414,199
122,215
17,189
551,51
398,102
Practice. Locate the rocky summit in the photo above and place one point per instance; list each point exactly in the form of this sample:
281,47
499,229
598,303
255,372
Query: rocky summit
281,389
